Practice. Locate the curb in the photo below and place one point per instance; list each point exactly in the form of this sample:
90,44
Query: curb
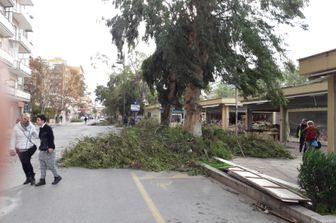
289,212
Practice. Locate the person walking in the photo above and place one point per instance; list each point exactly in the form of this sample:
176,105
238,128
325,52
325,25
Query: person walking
125,120
47,155
21,143
301,135
311,133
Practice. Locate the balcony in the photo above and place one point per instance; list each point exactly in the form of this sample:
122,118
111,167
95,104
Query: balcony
6,28
7,3
18,95
26,2
23,19
20,69
6,58
24,45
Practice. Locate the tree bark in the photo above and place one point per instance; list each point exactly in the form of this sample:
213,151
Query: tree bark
170,99
192,122
165,116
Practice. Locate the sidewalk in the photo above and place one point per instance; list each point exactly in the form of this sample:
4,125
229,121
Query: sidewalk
284,169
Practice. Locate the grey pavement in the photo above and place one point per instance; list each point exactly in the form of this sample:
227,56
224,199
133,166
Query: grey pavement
111,195
65,135
283,169
114,195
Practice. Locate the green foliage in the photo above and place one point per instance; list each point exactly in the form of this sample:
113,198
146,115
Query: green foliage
292,76
261,146
218,148
76,120
199,40
48,112
147,146
223,91
151,146
252,145
317,176
217,164
122,90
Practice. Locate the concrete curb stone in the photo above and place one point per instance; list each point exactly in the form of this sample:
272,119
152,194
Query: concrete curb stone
291,212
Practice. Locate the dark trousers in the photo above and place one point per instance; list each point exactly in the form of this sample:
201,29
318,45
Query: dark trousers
302,144
25,158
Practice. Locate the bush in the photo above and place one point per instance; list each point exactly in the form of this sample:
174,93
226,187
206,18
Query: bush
252,145
76,120
317,176
219,148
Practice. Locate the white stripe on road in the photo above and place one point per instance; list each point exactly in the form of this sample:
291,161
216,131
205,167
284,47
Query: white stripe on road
150,204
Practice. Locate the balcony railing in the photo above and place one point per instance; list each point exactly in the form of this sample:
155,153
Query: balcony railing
22,18
26,2
6,28
25,69
25,46
20,69
7,3
18,94
6,57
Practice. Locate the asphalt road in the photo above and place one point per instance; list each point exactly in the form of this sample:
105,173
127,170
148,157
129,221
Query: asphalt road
121,195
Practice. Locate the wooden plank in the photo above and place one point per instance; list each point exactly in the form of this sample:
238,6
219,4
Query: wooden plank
272,188
264,183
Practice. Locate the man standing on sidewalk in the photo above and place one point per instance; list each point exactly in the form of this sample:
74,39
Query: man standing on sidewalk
22,144
301,135
47,155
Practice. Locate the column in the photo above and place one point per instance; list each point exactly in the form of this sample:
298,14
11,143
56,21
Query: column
331,113
283,124
225,117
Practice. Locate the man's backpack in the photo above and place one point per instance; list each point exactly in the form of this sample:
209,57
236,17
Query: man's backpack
310,134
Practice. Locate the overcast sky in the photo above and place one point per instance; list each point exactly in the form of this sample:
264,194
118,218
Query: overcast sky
70,29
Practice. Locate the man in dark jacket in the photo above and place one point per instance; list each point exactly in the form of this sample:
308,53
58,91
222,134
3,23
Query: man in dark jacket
47,155
301,134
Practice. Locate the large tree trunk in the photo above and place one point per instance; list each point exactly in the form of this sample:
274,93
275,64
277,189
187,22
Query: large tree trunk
192,121
170,99
165,116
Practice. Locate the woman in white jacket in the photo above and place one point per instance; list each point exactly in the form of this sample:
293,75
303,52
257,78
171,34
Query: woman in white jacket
21,143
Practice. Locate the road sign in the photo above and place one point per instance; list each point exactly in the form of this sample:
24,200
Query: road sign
135,108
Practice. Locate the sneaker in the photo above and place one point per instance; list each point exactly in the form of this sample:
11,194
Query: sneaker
40,183
56,180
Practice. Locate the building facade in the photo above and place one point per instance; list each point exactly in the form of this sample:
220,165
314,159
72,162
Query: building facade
67,88
15,49
323,66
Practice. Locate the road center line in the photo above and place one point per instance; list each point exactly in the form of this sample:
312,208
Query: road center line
150,204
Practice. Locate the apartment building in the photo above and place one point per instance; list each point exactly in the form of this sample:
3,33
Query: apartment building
15,48
67,87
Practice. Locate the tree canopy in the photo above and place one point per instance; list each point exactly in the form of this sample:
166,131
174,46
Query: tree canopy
122,90
198,41
54,88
